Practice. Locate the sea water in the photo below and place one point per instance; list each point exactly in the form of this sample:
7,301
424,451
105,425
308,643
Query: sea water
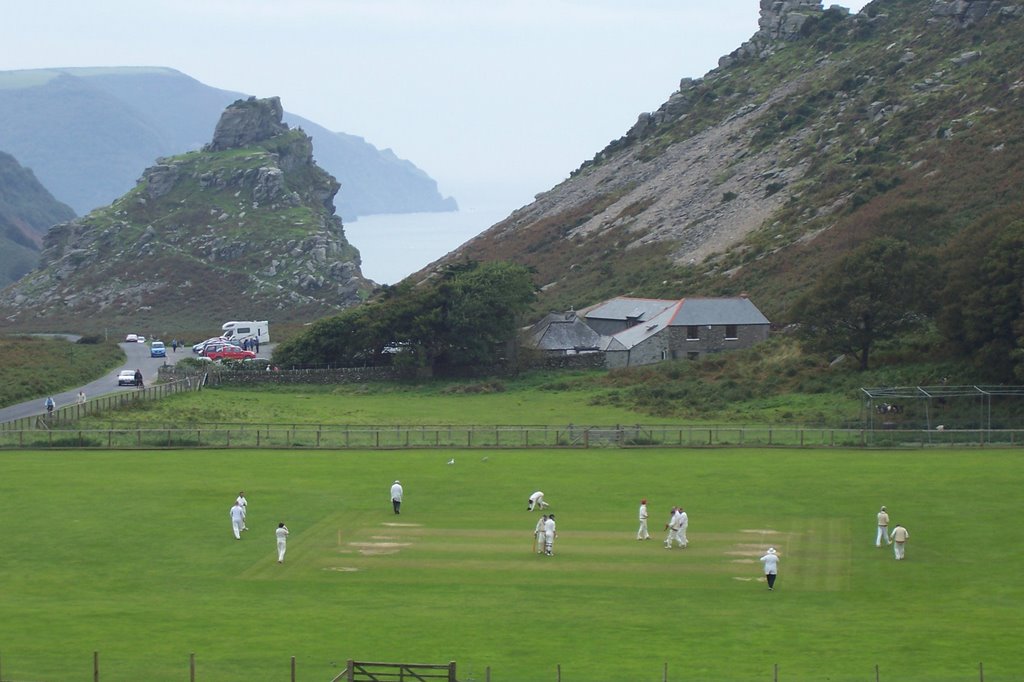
393,246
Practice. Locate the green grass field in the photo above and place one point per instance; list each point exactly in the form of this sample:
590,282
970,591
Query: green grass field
131,554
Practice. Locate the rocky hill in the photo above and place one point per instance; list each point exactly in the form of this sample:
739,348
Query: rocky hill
243,229
88,133
27,211
822,131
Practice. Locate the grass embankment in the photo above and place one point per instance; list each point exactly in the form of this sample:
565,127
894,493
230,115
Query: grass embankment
34,366
771,384
143,568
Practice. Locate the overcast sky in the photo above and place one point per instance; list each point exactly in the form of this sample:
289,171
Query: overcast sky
493,99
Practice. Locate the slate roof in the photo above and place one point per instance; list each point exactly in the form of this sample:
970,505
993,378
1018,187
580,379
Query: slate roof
563,331
624,308
718,311
691,311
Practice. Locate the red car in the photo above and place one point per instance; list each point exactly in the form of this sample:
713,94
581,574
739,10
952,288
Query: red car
226,351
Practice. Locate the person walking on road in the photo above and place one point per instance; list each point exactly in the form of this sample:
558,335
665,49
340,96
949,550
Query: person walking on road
396,496
138,379
282,541
883,528
771,567
642,534
899,538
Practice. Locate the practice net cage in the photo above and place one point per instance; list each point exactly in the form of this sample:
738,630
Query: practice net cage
939,408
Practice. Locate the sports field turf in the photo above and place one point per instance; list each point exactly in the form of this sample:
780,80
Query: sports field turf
131,554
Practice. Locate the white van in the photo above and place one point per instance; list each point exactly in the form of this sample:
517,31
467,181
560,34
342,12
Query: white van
239,331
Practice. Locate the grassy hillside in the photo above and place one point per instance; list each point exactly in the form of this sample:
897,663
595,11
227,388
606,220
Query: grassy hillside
899,122
35,366
145,570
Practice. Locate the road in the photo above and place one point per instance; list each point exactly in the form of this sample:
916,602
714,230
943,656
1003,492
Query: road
137,357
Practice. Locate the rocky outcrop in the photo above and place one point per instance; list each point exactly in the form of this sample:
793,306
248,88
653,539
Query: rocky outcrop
247,122
259,226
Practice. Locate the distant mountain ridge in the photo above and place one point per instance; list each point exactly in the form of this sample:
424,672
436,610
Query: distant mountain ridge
824,130
27,211
87,134
244,228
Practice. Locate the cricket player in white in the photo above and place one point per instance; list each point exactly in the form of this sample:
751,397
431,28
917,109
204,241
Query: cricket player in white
642,534
883,528
237,520
684,522
538,533
282,541
673,528
899,537
536,501
244,504
549,535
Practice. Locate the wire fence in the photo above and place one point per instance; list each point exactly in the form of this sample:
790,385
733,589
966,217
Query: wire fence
398,672
451,437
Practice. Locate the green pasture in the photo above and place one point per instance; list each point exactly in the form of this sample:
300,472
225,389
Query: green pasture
131,554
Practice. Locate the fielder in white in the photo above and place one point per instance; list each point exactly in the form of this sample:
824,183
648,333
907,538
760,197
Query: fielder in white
883,528
549,535
282,541
244,504
536,501
642,534
237,520
899,538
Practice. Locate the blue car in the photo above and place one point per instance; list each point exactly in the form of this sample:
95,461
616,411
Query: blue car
158,350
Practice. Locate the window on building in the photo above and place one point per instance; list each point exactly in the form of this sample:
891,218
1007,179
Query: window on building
693,355
730,332
692,332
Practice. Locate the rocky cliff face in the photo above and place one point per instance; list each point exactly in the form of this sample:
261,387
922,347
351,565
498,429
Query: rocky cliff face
244,228
804,141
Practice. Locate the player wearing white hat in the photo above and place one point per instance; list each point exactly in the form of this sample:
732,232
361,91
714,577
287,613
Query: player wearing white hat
771,567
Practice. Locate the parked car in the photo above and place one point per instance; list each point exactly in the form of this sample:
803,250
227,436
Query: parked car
221,350
198,348
157,349
131,338
126,377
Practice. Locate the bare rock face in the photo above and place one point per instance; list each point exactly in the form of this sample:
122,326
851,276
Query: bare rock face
246,122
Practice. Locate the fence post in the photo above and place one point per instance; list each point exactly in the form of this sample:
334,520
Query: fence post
192,667
293,669
981,672
876,672
559,669
775,675
451,672
664,676
95,666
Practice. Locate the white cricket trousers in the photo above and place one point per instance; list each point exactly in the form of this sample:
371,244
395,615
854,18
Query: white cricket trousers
883,532
642,534
281,546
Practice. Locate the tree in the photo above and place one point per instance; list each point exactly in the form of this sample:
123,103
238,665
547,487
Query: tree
870,295
465,317
983,313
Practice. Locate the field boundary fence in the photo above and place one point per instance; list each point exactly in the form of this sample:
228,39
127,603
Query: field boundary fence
67,415
365,671
65,434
